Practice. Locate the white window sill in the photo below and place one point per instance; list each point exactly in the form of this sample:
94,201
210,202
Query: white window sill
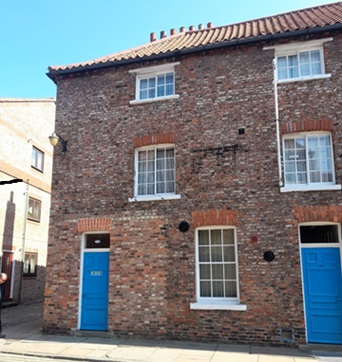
300,79
149,100
304,188
217,306
154,198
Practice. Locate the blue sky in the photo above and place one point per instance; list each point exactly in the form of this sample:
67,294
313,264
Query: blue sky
35,34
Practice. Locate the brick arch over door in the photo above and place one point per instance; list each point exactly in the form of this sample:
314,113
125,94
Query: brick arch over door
307,126
330,213
94,224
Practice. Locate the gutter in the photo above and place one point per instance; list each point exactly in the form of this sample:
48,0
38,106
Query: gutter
244,41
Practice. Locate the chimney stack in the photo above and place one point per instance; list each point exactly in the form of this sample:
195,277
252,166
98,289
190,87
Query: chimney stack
191,28
162,34
182,29
153,37
210,25
200,27
172,31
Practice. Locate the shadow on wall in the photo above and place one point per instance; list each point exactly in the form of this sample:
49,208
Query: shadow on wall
7,243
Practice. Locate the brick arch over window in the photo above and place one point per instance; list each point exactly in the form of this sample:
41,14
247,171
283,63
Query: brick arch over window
154,139
307,126
93,224
214,217
331,213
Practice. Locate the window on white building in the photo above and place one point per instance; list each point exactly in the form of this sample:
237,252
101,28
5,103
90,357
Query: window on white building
30,264
34,209
37,159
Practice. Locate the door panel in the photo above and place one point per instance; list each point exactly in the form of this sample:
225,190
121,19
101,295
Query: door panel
94,312
322,294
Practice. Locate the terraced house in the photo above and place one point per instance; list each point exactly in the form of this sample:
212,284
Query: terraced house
198,196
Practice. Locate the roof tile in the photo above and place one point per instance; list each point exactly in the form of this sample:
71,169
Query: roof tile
318,16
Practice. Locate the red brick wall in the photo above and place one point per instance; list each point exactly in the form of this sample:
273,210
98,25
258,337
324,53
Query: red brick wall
222,177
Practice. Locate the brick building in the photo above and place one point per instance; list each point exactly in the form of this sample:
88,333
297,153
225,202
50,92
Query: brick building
26,155
200,195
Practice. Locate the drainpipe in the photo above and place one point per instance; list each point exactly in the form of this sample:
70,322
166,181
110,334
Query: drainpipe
26,193
280,176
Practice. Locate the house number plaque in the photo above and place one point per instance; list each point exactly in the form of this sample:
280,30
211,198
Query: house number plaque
96,273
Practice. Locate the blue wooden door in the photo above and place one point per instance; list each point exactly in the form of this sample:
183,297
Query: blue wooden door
94,312
322,294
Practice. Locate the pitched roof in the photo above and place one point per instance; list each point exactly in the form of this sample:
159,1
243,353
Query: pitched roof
314,19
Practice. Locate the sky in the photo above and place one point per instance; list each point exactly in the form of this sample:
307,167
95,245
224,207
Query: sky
35,34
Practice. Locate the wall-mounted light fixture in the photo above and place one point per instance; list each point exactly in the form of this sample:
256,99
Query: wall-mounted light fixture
54,138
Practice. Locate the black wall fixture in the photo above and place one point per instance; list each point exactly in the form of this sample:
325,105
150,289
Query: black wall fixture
269,255
183,226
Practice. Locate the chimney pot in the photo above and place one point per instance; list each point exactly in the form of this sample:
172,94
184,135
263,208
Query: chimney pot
200,26
182,29
152,37
173,31
210,25
191,28
162,34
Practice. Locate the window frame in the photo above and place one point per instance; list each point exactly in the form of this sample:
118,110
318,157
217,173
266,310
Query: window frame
30,273
153,72
155,196
302,77
217,303
34,159
295,49
35,202
309,186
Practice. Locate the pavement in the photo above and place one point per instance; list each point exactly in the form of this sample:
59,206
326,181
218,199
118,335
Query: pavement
25,341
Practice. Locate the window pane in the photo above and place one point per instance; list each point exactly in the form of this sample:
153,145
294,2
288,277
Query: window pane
217,271
319,234
169,187
169,78
205,271
228,236
151,82
203,237
205,289
161,91
231,290
229,253
161,79
143,84
216,253
218,290
293,66
151,93
230,271
204,254
216,237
